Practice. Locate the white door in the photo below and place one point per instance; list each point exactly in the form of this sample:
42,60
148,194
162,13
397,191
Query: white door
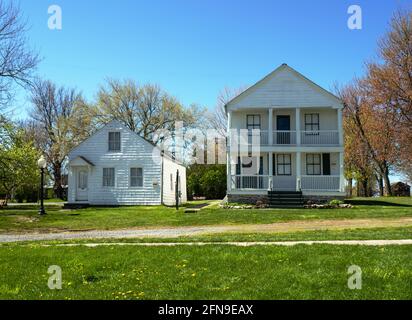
82,185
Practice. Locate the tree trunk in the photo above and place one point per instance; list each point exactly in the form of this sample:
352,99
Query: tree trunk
57,175
365,187
350,182
380,184
387,182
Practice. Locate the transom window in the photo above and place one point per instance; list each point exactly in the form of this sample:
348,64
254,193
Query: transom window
312,122
136,177
253,121
114,141
284,164
108,177
313,164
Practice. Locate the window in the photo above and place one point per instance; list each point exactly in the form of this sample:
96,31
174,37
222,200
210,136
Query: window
108,177
312,122
284,165
313,164
253,121
136,177
114,141
171,182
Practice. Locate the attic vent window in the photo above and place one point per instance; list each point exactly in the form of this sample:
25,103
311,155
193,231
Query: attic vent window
114,141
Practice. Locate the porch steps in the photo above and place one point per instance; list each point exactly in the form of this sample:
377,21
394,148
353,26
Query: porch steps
285,199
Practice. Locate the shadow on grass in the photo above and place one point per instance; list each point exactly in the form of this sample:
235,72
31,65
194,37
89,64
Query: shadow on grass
376,203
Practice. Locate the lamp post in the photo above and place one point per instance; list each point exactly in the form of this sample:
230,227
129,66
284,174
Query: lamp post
41,163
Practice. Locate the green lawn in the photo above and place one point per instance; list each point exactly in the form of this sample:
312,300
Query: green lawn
25,218
210,272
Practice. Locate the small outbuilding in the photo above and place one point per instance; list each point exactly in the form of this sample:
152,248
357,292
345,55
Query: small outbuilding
115,166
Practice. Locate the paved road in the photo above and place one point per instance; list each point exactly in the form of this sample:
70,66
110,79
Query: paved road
172,232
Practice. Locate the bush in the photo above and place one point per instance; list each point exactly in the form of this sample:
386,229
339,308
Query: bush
335,202
206,181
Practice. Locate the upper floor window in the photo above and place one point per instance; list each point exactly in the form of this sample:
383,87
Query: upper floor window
136,177
312,122
108,177
114,141
253,121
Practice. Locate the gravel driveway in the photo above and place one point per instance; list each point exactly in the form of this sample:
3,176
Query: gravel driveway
172,232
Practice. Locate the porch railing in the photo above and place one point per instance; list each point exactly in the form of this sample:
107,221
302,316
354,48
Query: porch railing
284,137
287,183
257,182
322,137
320,183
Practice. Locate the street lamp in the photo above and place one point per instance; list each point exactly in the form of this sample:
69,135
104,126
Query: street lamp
41,163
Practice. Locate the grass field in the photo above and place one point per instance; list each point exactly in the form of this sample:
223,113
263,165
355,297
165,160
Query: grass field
206,272
26,219
210,272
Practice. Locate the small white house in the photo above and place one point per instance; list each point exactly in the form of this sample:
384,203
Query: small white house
115,166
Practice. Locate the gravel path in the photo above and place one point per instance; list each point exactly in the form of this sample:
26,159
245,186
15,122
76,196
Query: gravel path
172,232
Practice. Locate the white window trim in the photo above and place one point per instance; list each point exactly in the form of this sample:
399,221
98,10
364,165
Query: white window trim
108,142
114,178
130,177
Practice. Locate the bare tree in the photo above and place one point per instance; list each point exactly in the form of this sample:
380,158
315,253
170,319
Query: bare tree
17,61
61,120
143,109
218,119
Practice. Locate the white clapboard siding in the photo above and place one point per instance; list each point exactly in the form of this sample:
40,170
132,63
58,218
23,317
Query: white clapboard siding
169,183
135,152
284,87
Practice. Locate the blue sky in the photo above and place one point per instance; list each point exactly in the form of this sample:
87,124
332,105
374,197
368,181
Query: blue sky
194,48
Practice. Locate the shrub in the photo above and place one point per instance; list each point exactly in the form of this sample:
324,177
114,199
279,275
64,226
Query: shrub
335,202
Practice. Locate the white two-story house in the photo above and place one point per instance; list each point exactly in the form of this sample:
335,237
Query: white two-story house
298,126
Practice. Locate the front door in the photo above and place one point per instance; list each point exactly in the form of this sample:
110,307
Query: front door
282,127
82,185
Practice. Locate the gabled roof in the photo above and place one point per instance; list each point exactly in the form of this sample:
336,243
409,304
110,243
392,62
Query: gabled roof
274,73
162,153
81,160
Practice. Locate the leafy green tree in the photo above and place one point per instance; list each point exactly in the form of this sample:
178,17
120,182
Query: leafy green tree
18,159
206,181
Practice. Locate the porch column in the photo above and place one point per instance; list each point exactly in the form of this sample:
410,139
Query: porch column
341,173
340,127
270,183
270,126
228,151
297,125
298,173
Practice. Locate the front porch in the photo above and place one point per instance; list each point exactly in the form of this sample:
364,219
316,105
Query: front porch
313,172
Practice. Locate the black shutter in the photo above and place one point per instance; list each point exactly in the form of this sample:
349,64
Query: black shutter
274,165
326,164
261,166
238,166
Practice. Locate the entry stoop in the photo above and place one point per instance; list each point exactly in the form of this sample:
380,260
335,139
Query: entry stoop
285,199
